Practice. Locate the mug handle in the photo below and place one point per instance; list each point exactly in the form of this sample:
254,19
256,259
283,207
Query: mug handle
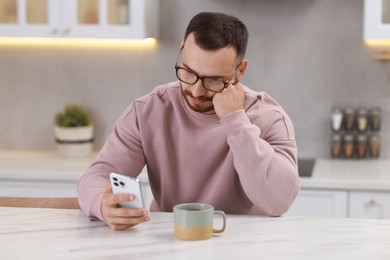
219,212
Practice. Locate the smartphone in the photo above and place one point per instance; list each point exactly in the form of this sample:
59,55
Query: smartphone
126,184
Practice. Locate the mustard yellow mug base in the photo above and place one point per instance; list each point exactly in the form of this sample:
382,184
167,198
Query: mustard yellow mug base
193,233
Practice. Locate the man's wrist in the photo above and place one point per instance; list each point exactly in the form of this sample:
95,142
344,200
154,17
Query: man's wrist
235,121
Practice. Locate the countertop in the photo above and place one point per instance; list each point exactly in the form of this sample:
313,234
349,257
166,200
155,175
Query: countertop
368,175
68,234
45,165
327,173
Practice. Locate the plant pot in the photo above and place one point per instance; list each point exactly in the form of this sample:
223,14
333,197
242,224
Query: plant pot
74,141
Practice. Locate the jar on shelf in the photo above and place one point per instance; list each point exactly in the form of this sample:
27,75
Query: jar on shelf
336,146
361,146
375,118
348,146
349,118
362,119
374,146
336,118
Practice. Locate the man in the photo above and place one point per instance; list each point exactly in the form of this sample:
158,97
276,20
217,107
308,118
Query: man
205,138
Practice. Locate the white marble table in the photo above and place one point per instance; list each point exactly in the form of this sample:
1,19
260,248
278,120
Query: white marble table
67,234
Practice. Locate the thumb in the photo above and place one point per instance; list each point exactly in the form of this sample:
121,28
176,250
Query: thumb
108,187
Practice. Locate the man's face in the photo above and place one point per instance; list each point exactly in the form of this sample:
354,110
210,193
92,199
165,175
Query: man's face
220,63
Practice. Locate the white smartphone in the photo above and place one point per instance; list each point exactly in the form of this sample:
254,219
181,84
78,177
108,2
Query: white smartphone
126,184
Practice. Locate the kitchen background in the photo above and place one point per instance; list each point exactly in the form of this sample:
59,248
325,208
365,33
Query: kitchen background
308,54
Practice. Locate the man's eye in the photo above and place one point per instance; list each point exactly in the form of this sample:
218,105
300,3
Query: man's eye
214,80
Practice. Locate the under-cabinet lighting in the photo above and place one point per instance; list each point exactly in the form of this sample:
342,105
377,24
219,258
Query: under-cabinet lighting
14,41
378,43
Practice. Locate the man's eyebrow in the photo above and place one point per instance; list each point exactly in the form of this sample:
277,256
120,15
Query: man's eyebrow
207,76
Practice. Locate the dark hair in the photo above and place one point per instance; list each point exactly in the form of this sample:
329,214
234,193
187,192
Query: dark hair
213,31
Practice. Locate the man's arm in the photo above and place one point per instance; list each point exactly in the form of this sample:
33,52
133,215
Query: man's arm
122,153
265,162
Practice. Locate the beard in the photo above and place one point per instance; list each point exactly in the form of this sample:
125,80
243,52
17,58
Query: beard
204,108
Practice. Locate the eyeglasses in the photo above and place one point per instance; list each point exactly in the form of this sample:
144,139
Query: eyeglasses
213,84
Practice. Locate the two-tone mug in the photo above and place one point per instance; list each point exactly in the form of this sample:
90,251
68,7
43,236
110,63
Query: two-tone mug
194,221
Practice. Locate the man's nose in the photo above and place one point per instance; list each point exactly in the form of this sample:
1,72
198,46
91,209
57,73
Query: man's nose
198,89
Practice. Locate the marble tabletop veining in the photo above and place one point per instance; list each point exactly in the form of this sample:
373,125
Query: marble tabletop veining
67,234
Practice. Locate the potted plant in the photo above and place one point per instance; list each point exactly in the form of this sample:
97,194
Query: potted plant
73,131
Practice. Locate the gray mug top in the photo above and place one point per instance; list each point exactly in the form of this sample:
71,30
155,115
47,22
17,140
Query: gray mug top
193,215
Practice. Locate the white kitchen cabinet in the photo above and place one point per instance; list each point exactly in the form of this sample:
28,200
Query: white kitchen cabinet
344,203
79,18
369,205
320,203
37,188
377,19
24,18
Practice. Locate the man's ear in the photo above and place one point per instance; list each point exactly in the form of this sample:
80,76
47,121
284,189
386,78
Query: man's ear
243,67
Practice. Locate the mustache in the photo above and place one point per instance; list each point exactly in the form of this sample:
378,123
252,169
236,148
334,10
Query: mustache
202,98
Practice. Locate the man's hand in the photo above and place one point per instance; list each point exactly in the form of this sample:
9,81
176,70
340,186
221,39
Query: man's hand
229,100
121,218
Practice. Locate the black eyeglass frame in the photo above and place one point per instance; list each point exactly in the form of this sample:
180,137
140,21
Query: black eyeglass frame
225,82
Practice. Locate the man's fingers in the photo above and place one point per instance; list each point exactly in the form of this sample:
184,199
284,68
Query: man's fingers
119,218
127,212
116,198
121,223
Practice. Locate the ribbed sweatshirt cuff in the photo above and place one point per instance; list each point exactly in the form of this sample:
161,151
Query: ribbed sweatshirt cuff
96,208
235,121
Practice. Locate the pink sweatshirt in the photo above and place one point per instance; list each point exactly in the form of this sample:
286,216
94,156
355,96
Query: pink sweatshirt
243,164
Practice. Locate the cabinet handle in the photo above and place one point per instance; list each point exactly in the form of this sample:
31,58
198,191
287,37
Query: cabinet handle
54,31
66,31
